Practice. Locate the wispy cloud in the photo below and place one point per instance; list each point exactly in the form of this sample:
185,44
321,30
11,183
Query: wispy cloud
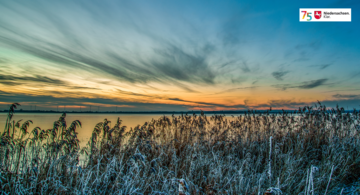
284,104
304,51
175,63
304,85
321,66
348,96
168,63
237,88
198,103
42,53
312,84
17,80
207,104
51,101
143,52
279,75
315,45
3,60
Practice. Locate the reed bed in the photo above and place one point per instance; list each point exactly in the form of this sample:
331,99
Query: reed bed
313,150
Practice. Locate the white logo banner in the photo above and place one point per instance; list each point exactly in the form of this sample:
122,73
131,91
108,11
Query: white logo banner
325,15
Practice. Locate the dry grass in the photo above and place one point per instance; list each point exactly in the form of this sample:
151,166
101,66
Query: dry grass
314,151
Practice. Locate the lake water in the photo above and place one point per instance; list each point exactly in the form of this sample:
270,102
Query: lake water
88,121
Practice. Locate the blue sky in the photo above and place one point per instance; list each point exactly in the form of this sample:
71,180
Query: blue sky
176,55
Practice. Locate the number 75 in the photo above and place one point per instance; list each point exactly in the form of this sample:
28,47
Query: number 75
306,14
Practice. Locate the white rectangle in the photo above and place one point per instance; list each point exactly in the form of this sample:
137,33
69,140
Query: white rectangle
325,15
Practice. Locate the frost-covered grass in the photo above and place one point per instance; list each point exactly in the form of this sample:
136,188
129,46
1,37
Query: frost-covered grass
314,151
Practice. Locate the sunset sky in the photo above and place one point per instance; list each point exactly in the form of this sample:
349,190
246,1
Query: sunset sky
150,55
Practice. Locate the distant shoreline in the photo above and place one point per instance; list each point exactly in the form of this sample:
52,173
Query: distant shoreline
160,112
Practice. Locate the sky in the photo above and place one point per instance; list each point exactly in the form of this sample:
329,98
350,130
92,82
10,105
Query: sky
176,55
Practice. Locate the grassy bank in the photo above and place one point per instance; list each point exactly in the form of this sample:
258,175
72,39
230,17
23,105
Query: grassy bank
314,151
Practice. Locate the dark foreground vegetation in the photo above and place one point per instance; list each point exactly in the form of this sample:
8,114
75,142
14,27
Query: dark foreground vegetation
315,151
